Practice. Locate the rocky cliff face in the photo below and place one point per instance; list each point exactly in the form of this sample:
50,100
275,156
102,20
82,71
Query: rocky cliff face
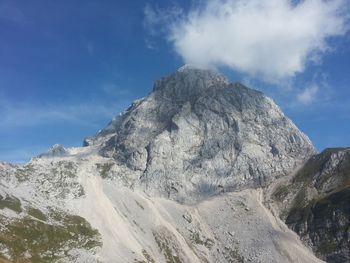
315,203
196,135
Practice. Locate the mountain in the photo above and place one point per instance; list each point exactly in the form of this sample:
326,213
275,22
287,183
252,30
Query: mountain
200,170
315,203
197,135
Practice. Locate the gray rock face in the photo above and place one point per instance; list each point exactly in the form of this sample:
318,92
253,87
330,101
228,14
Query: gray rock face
317,204
325,224
55,151
196,135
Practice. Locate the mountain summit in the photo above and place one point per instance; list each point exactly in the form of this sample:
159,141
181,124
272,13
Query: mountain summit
200,170
196,134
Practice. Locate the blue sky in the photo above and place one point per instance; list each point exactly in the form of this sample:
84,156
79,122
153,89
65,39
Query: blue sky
68,67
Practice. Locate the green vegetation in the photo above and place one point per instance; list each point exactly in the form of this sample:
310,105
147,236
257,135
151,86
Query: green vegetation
11,203
312,166
300,200
281,193
316,164
197,239
148,258
61,176
327,247
323,205
169,249
299,215
232,255
332,229
305,174
36,213
65,169
43,242
104,169
4,260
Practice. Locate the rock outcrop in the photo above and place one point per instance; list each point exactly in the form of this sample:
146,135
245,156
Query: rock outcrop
196,134
315,203
55,151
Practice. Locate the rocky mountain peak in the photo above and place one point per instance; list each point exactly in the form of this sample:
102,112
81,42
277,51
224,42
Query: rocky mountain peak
197,134
189,82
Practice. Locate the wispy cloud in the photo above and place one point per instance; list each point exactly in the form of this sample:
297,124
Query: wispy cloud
84,113
15,115
315,93
155,22
89,114
308,95
269,39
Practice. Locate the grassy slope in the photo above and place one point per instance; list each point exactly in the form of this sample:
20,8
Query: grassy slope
319,199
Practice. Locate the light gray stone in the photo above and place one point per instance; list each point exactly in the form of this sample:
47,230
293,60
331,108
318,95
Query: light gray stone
196,135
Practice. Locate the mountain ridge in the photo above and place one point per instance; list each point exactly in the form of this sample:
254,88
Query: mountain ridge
189,173
211,128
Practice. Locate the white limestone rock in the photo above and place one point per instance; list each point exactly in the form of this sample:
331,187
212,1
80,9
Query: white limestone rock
196,135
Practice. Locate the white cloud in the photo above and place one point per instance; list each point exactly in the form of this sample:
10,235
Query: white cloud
272,39
308,95
155,21
151,19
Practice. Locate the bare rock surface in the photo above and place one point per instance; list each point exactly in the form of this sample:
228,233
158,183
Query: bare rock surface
87,216
196,135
